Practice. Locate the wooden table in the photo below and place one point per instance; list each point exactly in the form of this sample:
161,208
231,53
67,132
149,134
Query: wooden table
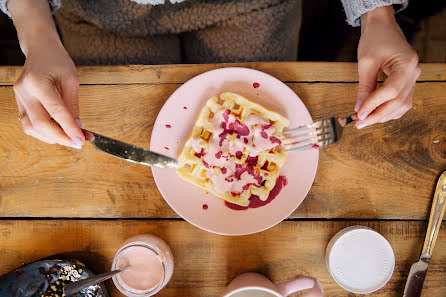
84,204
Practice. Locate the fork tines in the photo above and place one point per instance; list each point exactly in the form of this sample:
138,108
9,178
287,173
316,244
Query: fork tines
317,134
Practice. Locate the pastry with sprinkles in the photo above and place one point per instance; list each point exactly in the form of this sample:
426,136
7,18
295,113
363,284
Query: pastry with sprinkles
235,149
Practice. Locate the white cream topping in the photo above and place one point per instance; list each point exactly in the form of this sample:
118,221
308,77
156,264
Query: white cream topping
195,142
221,156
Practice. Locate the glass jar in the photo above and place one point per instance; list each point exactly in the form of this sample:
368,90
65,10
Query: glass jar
149,262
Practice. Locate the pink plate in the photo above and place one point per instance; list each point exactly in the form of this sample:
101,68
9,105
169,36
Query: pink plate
172,128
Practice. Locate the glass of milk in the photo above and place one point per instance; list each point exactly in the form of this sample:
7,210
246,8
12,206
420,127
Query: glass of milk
149,266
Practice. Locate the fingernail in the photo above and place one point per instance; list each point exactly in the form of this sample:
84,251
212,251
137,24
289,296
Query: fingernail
78,147
363,115
78,141
358,104
361,125
78,123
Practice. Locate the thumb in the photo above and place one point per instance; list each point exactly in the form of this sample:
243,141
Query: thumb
368,75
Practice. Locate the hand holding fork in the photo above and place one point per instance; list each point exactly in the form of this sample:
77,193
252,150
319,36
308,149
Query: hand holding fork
318,134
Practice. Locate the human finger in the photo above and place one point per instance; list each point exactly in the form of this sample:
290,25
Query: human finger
406,95
43,127
368,74
390,89
53,103
401,111
27,126
69,86
390,110
379,114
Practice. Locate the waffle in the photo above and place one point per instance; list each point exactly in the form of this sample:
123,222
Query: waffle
234,150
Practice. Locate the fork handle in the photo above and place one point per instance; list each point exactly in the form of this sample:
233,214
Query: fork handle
349,120
436,216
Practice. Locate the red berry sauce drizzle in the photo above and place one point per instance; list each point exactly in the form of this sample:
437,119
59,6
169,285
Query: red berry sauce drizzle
256,85
254,200
229,177
200,154
205,207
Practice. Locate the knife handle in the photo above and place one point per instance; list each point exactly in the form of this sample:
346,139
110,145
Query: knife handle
436,216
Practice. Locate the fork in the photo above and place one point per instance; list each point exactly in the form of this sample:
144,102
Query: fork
315,135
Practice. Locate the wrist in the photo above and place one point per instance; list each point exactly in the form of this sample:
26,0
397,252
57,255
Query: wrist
34,23
383,14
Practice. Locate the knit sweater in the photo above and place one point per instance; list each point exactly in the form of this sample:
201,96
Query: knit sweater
353,8
124,32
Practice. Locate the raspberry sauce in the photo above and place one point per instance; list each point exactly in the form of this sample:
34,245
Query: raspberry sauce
255,202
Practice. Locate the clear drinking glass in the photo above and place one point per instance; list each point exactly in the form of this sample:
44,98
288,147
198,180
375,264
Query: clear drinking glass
137,250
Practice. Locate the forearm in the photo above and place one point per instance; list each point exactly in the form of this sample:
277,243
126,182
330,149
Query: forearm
34,23
354,9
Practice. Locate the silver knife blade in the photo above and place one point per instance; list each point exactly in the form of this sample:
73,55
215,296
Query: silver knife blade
415,280
129,152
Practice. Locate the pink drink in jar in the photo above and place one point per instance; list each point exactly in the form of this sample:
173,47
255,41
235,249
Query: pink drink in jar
149,263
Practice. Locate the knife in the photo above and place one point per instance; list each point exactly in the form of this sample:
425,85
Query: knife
129,152
417,272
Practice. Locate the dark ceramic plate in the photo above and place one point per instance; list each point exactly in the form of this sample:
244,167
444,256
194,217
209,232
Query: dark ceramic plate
46,279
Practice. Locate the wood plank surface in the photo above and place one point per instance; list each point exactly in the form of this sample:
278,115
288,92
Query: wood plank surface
205,263
387,171
285,71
